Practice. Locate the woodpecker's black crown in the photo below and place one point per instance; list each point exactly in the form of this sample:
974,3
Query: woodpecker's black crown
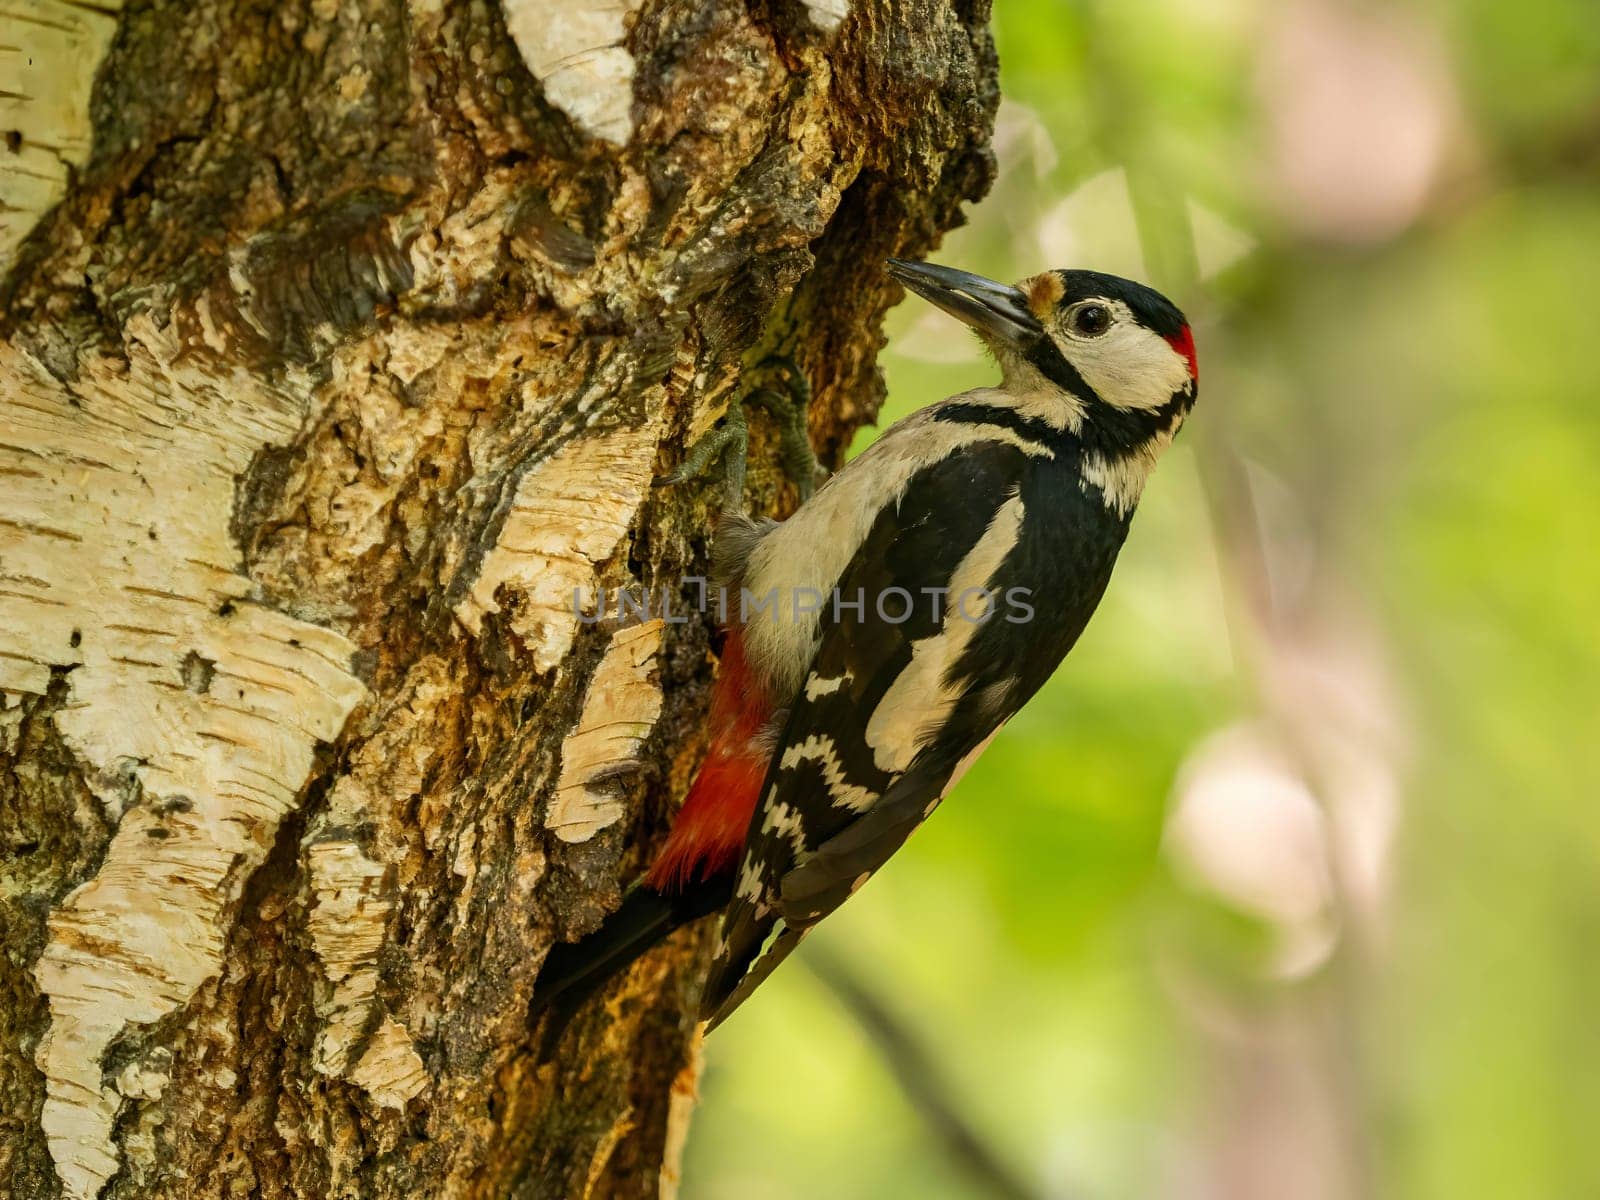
1149,307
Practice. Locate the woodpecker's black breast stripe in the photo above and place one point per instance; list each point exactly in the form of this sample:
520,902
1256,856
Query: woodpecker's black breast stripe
1062,443
1112,431
1107,430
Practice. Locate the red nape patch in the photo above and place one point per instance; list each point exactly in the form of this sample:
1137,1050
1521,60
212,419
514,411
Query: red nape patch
708,834
1183,343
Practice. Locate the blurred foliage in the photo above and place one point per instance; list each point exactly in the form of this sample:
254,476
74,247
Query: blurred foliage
1369,564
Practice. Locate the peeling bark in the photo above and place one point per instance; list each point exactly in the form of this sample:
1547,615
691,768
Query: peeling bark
346,358
619,711
48,58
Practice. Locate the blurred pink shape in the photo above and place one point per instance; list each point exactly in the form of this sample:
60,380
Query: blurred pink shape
1292,816
1246,827
1358,103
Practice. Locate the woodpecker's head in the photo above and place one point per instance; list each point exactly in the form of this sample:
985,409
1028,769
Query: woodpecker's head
1106,357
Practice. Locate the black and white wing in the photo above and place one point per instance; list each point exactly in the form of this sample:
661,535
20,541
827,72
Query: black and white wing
901,690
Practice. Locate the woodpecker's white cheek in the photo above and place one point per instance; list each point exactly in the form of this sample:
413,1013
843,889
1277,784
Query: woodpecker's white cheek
1128,366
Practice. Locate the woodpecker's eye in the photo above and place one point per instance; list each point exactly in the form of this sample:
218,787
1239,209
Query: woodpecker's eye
1089,320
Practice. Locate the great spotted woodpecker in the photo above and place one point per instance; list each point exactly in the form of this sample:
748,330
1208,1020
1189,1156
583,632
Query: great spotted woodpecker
946,572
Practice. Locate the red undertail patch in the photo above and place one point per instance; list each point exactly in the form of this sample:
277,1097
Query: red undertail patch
709,831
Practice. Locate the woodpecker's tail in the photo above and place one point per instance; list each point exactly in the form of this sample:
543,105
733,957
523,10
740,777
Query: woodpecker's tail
574,971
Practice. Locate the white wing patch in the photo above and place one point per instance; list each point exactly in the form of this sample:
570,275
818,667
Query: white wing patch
817,687
751,885
843,793
920,699
784,820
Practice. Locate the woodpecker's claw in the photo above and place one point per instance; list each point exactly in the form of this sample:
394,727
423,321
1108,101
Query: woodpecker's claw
788,408
732,433
792,413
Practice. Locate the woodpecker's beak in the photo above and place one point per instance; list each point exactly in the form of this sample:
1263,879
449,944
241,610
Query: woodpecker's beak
993,309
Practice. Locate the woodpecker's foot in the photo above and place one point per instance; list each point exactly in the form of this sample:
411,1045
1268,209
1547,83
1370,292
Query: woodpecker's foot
789,408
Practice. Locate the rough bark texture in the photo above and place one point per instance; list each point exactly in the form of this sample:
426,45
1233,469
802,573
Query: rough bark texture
351,348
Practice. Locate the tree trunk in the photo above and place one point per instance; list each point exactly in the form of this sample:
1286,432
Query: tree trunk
348,354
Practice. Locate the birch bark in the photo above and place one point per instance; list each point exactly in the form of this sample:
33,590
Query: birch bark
340,341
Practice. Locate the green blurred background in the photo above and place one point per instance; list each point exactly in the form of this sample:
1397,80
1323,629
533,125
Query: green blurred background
1288,885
